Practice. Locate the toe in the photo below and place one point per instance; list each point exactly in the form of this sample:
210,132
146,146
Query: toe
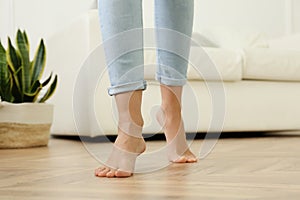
111,173
98,170
191,159
182,159
103,172
122,174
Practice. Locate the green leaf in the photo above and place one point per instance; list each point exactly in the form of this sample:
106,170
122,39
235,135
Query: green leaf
1,94
2,55
34,92
26,39
3,66
24,53
31,97
15,64
13,58
5,77
47,80
50,91
16,91
35,86
39,62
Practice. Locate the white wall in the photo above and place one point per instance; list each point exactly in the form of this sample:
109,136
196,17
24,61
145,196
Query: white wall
296,16
244,14
6,19
268,16
40,18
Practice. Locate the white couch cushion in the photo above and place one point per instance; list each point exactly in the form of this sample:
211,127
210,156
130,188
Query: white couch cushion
225,37
271,64
228,64
199,39
291,42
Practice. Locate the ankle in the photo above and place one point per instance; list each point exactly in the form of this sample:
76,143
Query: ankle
171,113
139,121
130,143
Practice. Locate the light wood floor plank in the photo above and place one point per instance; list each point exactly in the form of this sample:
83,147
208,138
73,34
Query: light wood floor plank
237,168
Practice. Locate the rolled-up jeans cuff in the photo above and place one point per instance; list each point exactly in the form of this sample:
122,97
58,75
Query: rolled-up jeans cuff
128,87
170,81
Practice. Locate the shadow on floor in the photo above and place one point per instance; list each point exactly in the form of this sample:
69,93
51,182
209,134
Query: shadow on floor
190,136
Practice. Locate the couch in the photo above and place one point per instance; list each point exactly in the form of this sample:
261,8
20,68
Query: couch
257,87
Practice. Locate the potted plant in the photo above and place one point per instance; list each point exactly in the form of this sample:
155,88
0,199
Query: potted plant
25,118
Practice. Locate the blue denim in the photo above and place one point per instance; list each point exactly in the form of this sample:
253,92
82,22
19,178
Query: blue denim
126,71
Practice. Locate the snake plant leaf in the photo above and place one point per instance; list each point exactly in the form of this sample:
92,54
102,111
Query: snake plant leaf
3,61
50,90
1,95
31,97
5,77
26,39
13,58
35,86
34,91
39,62
14,62
47,80
16,90
24,53
3,66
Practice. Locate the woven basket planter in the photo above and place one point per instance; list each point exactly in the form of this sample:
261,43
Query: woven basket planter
25,124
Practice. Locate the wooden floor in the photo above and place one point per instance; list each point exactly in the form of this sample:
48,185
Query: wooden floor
266,167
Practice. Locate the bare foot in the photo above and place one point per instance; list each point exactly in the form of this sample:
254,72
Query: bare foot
123,156
178,150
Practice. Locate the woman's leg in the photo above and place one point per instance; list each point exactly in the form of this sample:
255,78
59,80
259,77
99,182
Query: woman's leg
129,143
171,120
124,52
174,23
126,74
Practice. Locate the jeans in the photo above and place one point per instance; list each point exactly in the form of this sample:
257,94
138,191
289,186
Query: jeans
126,71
